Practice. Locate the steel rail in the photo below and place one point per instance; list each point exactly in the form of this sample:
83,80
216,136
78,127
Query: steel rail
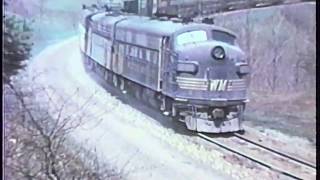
277,152
259,161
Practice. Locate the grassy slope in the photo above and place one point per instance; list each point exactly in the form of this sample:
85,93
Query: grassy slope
293,113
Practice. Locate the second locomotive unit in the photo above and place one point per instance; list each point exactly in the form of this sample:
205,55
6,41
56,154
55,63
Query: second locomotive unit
196,73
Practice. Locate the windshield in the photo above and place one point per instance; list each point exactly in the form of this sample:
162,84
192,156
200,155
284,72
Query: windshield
191,37
223,37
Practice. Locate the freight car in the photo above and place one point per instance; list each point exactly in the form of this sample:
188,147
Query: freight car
195,73
194,8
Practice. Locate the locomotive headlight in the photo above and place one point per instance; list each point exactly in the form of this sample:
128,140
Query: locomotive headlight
218,113
243,68
190,67
218,53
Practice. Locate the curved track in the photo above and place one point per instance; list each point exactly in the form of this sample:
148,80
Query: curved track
276,151
268,157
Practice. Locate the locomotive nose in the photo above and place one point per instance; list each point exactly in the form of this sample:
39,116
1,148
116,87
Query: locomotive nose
213,72
213,52
227,52
234,55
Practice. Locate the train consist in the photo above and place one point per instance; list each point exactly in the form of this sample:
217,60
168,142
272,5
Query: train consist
187,8
193,72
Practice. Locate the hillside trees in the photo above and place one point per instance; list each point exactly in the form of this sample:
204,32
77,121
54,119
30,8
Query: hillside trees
17,45
279,44
304,46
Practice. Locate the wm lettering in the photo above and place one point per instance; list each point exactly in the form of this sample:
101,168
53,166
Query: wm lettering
218,85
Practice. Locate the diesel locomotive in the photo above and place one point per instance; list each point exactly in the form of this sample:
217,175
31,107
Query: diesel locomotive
192,72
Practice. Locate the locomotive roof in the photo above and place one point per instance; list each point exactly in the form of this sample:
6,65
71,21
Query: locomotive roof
107,18
149,25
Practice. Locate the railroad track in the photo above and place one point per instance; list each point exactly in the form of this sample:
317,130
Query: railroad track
271,158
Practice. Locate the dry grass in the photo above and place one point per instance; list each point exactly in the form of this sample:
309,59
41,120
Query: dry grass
291,113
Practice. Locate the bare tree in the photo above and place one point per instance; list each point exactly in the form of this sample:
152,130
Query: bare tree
42,6
277,42
248,30
36,138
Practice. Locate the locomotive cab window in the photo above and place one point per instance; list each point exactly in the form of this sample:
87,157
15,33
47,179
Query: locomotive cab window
154,57
140,53
223,37
121,49
148,56
191,37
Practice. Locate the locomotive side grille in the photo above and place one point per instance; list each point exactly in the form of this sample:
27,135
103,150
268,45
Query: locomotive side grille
192,83
203,84
236,85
